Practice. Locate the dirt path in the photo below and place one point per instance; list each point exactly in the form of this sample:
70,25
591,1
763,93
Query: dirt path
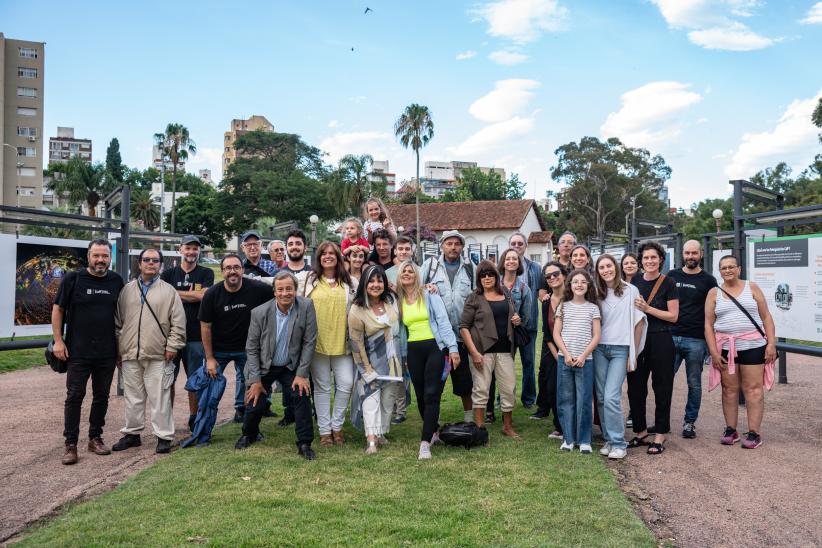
33,482
700,493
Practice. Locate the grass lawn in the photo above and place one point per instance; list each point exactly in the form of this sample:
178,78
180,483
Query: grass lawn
13,360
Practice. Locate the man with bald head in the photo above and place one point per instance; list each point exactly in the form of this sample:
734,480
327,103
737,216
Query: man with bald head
693,284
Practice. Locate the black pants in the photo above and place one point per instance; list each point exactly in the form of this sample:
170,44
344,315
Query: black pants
462,383
425,364
299,402
79,370
656,361
547,384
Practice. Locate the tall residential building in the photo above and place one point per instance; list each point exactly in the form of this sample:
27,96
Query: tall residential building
157,161
440,177
379,172
21,122
65,146
205,176
239,127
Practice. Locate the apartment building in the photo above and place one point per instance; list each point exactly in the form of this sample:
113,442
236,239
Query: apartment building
379,172
238,127
21,122
66,146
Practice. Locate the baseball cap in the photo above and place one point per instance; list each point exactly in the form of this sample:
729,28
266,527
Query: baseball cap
250,234
190,239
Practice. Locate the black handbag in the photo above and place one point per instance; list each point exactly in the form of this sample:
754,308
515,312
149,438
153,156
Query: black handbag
57,365
464,434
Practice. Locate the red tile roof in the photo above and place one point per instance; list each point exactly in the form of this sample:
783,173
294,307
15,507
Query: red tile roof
490,215
540,237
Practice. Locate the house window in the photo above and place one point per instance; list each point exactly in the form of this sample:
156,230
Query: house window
26,72
30,53
25,111
74,147
26,131
536,258
26,92
26,151
26,171
26,190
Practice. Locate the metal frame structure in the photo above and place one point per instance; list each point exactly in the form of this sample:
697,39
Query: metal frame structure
673,239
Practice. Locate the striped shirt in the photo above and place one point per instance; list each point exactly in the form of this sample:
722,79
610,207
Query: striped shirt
577,325
731,320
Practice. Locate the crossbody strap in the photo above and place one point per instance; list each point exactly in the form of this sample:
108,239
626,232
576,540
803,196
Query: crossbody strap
145,301
654,291
748,314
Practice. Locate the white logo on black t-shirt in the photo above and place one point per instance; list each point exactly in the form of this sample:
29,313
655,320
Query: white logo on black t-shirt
97,292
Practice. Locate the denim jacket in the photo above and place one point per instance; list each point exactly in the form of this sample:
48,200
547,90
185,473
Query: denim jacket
521,295
439,322
453,296
531,277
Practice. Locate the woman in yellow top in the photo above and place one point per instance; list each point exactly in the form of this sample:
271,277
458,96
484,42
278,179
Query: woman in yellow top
429,347
374,328
328,285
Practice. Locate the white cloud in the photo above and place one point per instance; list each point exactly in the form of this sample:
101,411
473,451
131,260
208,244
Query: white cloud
507,57
508,98
648,115
376,143
793,140
493,136
466,54
814,16
711,23
333,123
522,21
207,158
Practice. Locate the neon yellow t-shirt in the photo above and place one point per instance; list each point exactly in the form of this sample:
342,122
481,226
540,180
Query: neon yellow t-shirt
415,318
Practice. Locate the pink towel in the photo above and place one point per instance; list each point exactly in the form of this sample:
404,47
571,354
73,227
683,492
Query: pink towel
715,377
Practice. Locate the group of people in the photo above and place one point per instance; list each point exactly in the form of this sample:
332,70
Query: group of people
350,332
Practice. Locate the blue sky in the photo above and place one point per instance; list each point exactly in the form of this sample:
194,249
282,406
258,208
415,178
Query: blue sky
720,88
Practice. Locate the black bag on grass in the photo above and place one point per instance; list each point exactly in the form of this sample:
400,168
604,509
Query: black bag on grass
464,434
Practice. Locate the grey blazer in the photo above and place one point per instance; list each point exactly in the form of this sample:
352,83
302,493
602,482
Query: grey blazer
262,339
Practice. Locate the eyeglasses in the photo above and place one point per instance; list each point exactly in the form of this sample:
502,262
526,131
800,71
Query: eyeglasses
150,260
517,244
487,274
251,244
552,275
235,268
277,250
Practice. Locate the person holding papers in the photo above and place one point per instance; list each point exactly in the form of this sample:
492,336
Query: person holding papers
373,328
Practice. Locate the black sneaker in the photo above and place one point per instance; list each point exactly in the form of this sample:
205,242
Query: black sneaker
243,443
191,420
285,421
399,419
163,446
306,452
238,415
127,441
270,413
490,417
688,430
538,416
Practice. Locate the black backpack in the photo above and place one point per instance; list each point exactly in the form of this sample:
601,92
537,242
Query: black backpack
464,434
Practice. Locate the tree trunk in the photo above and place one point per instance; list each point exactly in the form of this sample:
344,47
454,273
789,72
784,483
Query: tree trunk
173,193
417,207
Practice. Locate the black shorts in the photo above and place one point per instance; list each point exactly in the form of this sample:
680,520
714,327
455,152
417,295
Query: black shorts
754,356
462,383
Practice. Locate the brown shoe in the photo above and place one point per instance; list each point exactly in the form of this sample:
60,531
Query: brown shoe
338,438
326,440
508,425
97,447
70,456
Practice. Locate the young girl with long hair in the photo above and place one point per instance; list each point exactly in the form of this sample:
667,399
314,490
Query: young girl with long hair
377,217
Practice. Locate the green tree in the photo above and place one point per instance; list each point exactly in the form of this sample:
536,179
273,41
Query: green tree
82,182
415,129
352,183
816,117
701,220
114,163
601,179
201,214
474,185
144,209
176,145
777,178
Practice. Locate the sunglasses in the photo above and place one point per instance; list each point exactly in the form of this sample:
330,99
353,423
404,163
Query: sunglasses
552,275
150,260
487,274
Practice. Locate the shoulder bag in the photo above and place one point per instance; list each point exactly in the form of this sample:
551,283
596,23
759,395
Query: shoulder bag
748,314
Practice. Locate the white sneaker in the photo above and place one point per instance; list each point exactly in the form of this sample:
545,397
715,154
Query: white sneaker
617,454
555,435
567,446
425,451
606,450
585,448
435,439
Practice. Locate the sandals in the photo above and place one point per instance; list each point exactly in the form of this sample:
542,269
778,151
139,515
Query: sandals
638,441
656,448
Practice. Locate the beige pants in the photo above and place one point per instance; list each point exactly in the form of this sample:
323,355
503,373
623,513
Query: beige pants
503,366
376,410
152,380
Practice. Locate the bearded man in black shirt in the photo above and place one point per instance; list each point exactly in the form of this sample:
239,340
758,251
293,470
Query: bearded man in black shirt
86,302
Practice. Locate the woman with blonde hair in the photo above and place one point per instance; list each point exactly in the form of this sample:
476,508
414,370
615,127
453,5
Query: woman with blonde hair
428,346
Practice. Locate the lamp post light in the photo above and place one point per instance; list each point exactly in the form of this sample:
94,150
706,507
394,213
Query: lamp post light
717,215
314,220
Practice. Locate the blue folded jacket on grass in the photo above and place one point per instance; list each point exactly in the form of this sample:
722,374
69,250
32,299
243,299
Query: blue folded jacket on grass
209,392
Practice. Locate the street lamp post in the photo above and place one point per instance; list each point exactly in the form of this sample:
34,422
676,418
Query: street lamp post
717,215
313,220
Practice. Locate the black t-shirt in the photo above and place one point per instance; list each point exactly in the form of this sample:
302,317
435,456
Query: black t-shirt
230,313
503,344
693,290
89,303
667,292
199,278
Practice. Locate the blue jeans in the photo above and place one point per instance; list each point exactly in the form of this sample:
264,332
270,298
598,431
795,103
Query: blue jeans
574,393
239,378
610,362
529,381
693,351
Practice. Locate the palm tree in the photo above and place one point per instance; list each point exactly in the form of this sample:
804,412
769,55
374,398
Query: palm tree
415,128
82,182
353,183
144,209
176,145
